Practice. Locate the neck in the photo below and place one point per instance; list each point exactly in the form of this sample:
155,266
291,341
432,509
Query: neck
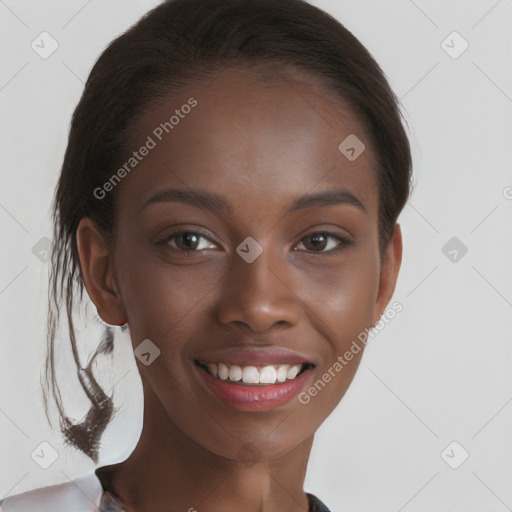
169,471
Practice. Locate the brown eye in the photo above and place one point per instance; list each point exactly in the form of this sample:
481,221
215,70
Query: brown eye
187,241
324,242
316,242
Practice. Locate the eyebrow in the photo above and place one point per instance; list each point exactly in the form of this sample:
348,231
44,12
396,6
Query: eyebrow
218,204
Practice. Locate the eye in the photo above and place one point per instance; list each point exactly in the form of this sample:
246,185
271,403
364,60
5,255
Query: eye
319,242
322,242
187,241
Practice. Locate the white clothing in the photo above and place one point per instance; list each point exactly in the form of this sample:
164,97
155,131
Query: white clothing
84,494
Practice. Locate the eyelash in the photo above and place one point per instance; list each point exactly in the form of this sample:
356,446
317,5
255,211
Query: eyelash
344,241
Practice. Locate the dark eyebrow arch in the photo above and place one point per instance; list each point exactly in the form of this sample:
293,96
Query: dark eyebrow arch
199,198
217,204
326,198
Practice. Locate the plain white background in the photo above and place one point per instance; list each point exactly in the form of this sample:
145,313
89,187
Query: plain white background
439,372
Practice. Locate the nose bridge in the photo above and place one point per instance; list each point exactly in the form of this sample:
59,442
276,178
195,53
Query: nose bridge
258,293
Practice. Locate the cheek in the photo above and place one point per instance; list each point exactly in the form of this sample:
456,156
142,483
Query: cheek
343,304
352,299
342,295
159,298
167,303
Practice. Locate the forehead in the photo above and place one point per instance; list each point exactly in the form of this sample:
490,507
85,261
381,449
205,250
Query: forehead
257,135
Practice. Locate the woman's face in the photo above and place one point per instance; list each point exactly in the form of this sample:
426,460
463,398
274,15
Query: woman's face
260,266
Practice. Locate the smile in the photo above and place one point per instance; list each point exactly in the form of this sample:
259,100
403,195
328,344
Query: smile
253,375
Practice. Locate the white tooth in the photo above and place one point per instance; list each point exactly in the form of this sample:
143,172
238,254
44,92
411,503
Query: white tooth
293,371
281,372
223,371
250,375
235,373
212,368
268,375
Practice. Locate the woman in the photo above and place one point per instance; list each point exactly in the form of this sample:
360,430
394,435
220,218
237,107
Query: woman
230,190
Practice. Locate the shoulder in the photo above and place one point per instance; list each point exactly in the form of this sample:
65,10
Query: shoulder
315,505
79,495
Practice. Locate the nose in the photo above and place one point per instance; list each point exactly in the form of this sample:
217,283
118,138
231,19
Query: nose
259,295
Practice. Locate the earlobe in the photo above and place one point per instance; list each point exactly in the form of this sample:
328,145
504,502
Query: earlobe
389,272
97,271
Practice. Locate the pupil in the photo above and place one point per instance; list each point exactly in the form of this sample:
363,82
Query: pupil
319,240
189,238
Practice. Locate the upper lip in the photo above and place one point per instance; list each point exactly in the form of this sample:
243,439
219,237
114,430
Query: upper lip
254,356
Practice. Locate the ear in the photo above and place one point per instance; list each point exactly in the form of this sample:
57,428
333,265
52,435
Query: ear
96,262
389,272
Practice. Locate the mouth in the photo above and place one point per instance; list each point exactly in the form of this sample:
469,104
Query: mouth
250,378
254,376
254,388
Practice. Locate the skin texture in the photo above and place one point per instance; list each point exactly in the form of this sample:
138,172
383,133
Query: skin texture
260,143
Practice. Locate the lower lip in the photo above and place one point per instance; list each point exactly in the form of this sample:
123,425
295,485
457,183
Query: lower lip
251,398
